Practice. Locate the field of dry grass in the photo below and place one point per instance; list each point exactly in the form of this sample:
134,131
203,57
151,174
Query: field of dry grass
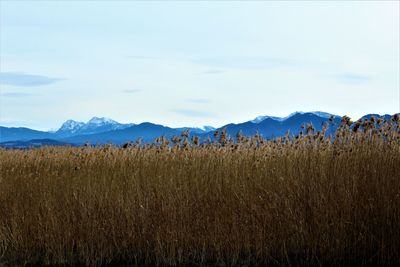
302,201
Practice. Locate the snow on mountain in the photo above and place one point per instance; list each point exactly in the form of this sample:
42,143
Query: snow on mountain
196,130
94,125
101,121
71,126
321,114
261,118
208,128
104,130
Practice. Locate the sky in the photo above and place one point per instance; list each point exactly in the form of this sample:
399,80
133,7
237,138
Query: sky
195,63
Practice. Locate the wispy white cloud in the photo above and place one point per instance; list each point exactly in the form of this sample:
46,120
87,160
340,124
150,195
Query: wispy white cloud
198,100
131,91
246,62
251,62
24,79
142,57
193,113
353,78
213,72
16,94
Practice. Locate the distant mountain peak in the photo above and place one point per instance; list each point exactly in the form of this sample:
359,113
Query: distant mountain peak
71,125
261,118
207,128
71,122
321,114
101,120
100,130
94,125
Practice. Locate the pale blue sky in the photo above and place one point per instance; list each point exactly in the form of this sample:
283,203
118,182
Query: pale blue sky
195,63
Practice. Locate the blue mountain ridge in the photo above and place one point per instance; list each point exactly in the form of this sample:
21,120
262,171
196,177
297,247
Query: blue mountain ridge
22,133
103,131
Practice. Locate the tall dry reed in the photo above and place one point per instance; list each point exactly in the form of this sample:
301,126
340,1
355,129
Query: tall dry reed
294,201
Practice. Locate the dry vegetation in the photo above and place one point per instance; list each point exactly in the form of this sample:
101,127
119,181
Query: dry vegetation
295,201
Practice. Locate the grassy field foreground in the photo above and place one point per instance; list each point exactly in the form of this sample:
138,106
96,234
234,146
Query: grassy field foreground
302,201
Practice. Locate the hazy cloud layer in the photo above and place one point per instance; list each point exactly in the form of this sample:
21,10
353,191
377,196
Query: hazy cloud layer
131,91
352,78
213,72
261,58
15,94
24,79
198,100
193,113
245,62
141,57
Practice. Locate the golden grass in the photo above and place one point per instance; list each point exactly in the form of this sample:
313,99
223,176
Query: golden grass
289,202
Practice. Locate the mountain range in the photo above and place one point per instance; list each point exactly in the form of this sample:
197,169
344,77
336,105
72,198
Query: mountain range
93,126
103,130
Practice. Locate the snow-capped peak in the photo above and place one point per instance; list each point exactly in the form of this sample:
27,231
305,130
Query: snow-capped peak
71,125
208,128
317,113
261,118
322,114
94,125
101,121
